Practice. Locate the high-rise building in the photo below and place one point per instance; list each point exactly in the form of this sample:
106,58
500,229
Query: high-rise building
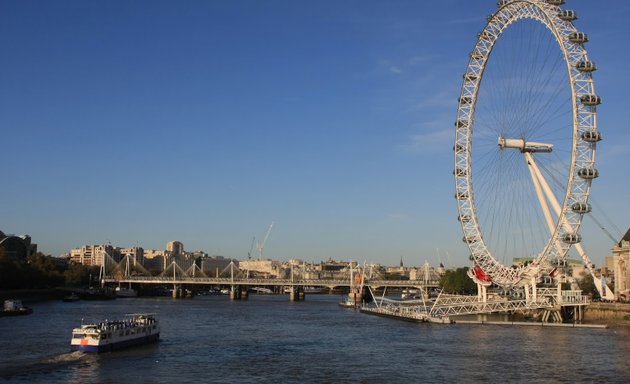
175,247
94,254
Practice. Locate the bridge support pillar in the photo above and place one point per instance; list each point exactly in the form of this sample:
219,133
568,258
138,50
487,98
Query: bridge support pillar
244,292
235,292
177,291
297,294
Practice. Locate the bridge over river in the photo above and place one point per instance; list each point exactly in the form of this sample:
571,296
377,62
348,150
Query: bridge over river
272,282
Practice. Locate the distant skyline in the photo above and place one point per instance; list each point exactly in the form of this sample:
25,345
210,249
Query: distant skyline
141,122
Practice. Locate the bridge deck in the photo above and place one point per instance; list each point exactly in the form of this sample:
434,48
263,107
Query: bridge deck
269,282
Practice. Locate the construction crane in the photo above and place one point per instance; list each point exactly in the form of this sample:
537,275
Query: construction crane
261,246
251,248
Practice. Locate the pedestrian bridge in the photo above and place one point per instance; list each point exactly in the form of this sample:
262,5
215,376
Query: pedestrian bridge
230,281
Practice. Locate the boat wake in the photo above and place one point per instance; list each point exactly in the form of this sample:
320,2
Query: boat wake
47,364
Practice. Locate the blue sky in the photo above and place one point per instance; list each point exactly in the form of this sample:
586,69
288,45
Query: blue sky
141,122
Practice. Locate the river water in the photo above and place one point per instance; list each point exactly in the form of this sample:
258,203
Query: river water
268,339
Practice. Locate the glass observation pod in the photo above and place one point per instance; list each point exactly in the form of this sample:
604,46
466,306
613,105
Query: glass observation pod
555,2
459,148
464,99
461,124
501,3
581,207
586,66
571,238
485,35
588,173
463,218
476,55
460,172
591,100
470,77
469,240
591,136
461,195
567,15
578,37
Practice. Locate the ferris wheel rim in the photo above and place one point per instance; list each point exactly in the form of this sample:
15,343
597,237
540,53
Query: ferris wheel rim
582,152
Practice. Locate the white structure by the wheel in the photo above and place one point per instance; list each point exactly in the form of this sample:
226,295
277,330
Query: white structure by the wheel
562,214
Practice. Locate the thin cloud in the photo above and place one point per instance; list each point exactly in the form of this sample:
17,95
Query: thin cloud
438,99
395,69
431,141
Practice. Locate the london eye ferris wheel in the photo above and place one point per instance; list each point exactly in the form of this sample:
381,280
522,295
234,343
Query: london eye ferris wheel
526,134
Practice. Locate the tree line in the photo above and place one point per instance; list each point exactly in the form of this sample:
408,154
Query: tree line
42,271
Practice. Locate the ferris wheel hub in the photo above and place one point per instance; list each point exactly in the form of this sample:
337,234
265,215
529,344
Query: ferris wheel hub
524,146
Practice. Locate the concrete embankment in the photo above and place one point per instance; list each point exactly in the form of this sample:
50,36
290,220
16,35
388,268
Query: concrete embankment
532,324
616,313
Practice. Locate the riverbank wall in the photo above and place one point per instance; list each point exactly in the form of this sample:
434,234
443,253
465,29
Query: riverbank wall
608,312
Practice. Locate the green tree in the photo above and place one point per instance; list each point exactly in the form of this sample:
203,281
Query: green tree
457,282
13,273
78,275
45,271
587,285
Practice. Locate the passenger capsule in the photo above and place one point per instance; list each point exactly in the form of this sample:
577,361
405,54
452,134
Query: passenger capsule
469,240
458,148
470,77
463,218
461,123
591,136
502,3
459,172
581,207
555,2
461,195
591,100
567,15
464,99
571,238
471,258
578,37
484,35
586,66
476,55
588,173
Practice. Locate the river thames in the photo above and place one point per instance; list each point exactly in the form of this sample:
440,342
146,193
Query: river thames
268,339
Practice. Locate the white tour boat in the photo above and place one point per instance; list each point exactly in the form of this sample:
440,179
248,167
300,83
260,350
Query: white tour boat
115,334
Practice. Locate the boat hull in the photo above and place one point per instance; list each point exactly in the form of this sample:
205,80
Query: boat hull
17,312
117,345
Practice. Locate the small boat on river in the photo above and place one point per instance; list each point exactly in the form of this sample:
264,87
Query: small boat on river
126,292
15,308
110,335
71,298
